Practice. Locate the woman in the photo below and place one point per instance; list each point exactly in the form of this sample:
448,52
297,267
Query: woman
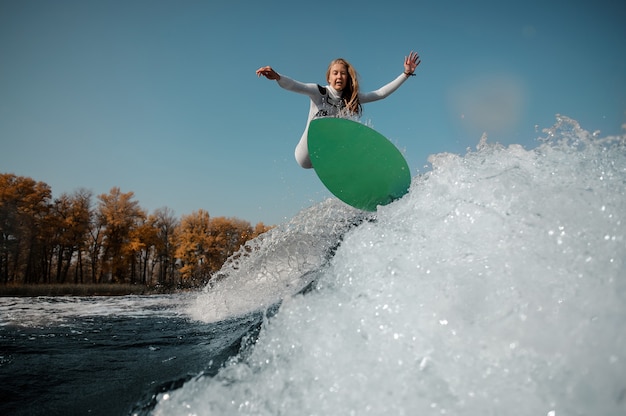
340,98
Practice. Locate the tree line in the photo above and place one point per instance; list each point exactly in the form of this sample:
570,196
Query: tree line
70,239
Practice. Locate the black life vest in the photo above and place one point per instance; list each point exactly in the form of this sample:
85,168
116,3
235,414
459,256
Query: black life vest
328,108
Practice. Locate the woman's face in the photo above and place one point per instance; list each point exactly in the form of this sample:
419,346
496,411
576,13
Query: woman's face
338,77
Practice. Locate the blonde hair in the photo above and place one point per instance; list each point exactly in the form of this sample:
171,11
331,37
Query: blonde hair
350,93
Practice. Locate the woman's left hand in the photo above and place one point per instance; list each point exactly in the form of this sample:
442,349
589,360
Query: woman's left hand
411,62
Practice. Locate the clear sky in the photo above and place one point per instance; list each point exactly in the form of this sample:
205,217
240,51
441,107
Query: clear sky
160,97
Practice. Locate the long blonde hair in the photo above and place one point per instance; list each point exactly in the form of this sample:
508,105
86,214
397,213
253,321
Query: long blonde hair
350,93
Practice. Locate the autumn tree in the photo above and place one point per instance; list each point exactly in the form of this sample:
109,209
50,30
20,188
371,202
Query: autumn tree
226,236
120,216
69,222
93,247
24,205
142,245
165,249
81,221
204,243
193,242
260,228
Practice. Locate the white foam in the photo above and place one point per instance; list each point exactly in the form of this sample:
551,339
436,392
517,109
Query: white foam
497,286
277,264
44,310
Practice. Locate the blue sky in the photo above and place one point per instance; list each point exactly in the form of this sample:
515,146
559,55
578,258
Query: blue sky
160,97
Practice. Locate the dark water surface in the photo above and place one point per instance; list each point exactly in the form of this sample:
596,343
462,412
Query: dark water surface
99,356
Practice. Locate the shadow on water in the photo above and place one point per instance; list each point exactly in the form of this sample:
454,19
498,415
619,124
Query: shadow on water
110,365
251,327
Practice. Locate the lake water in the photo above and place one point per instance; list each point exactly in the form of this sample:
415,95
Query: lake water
104,355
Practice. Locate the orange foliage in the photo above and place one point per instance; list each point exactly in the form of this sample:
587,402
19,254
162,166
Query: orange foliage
47,241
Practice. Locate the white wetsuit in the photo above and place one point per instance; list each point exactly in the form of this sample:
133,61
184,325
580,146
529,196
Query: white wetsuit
326,102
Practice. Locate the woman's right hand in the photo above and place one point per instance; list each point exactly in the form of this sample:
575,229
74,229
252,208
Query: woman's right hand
267,72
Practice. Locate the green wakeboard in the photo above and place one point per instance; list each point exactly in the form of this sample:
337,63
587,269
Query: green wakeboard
356,163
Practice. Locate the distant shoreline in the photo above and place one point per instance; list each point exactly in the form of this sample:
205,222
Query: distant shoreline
104,289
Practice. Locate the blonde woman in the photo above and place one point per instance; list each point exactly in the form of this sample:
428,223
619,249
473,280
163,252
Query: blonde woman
340,98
